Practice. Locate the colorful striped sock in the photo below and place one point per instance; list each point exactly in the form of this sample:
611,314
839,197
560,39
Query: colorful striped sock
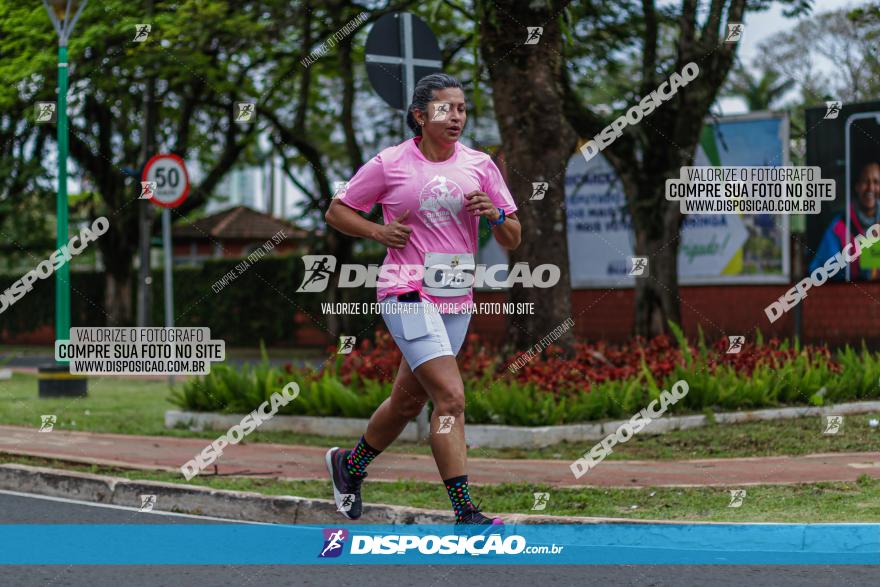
457,488
359,457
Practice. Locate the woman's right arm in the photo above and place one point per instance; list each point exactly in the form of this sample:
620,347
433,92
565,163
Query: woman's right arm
347,221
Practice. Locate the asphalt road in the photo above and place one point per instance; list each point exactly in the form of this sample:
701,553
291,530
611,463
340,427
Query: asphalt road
20,509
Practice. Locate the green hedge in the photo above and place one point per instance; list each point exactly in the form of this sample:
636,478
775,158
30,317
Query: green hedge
37,308
498,400
258,304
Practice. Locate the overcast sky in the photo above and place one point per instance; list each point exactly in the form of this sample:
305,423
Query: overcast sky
763,25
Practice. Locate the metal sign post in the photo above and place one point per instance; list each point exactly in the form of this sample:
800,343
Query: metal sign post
168,186
169,285
400,50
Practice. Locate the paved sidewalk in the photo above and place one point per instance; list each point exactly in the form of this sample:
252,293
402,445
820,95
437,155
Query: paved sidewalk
307,462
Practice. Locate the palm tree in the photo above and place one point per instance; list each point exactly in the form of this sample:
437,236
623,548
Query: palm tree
759,93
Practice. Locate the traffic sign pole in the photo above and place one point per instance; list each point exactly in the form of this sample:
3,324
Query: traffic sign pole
169,281
409,72
169,286
423,424
168,173
380,53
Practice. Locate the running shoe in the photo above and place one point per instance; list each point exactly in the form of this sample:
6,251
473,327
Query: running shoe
473,516
346,487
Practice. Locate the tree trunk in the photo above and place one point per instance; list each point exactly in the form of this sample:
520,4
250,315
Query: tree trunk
340,246
117,299
537,143
645,156
118,249
657,236
656,296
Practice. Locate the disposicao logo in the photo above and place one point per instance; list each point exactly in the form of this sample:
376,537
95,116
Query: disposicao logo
431,544
334,539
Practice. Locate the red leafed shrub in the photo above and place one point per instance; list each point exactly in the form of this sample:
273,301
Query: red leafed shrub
773,353
476,360
591,363
378,361
595,363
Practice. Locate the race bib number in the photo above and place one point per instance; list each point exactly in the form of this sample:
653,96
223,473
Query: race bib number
448,274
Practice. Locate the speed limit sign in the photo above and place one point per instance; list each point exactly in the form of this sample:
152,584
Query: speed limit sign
167,179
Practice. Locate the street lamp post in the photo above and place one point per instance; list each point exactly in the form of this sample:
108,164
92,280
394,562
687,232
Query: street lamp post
59,14
55,380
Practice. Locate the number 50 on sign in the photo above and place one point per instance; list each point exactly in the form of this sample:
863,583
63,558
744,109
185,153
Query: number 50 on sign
169,173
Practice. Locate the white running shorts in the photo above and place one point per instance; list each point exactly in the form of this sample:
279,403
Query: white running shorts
421,333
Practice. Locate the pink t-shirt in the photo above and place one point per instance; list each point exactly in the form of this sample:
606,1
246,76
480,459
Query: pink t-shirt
401,178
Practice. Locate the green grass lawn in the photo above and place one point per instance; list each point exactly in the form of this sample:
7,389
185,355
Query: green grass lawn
21,350
857,501
136,406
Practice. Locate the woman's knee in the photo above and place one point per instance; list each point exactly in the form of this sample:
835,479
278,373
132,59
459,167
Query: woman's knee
449,399
408,406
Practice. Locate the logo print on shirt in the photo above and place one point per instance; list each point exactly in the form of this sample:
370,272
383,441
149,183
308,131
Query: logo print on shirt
440,201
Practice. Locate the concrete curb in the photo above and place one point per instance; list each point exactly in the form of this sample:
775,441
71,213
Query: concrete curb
490,436
238,505
319,426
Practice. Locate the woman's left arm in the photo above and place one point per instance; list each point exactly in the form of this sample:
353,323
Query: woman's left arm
508,233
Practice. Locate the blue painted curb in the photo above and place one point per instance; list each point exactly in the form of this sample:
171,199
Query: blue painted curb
631,544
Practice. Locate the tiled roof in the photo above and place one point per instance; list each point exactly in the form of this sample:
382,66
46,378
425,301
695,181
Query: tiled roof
239,222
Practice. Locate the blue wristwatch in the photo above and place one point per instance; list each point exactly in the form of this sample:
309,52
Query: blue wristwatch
500,218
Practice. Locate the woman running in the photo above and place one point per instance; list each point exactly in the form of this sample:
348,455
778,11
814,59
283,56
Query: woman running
433,191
